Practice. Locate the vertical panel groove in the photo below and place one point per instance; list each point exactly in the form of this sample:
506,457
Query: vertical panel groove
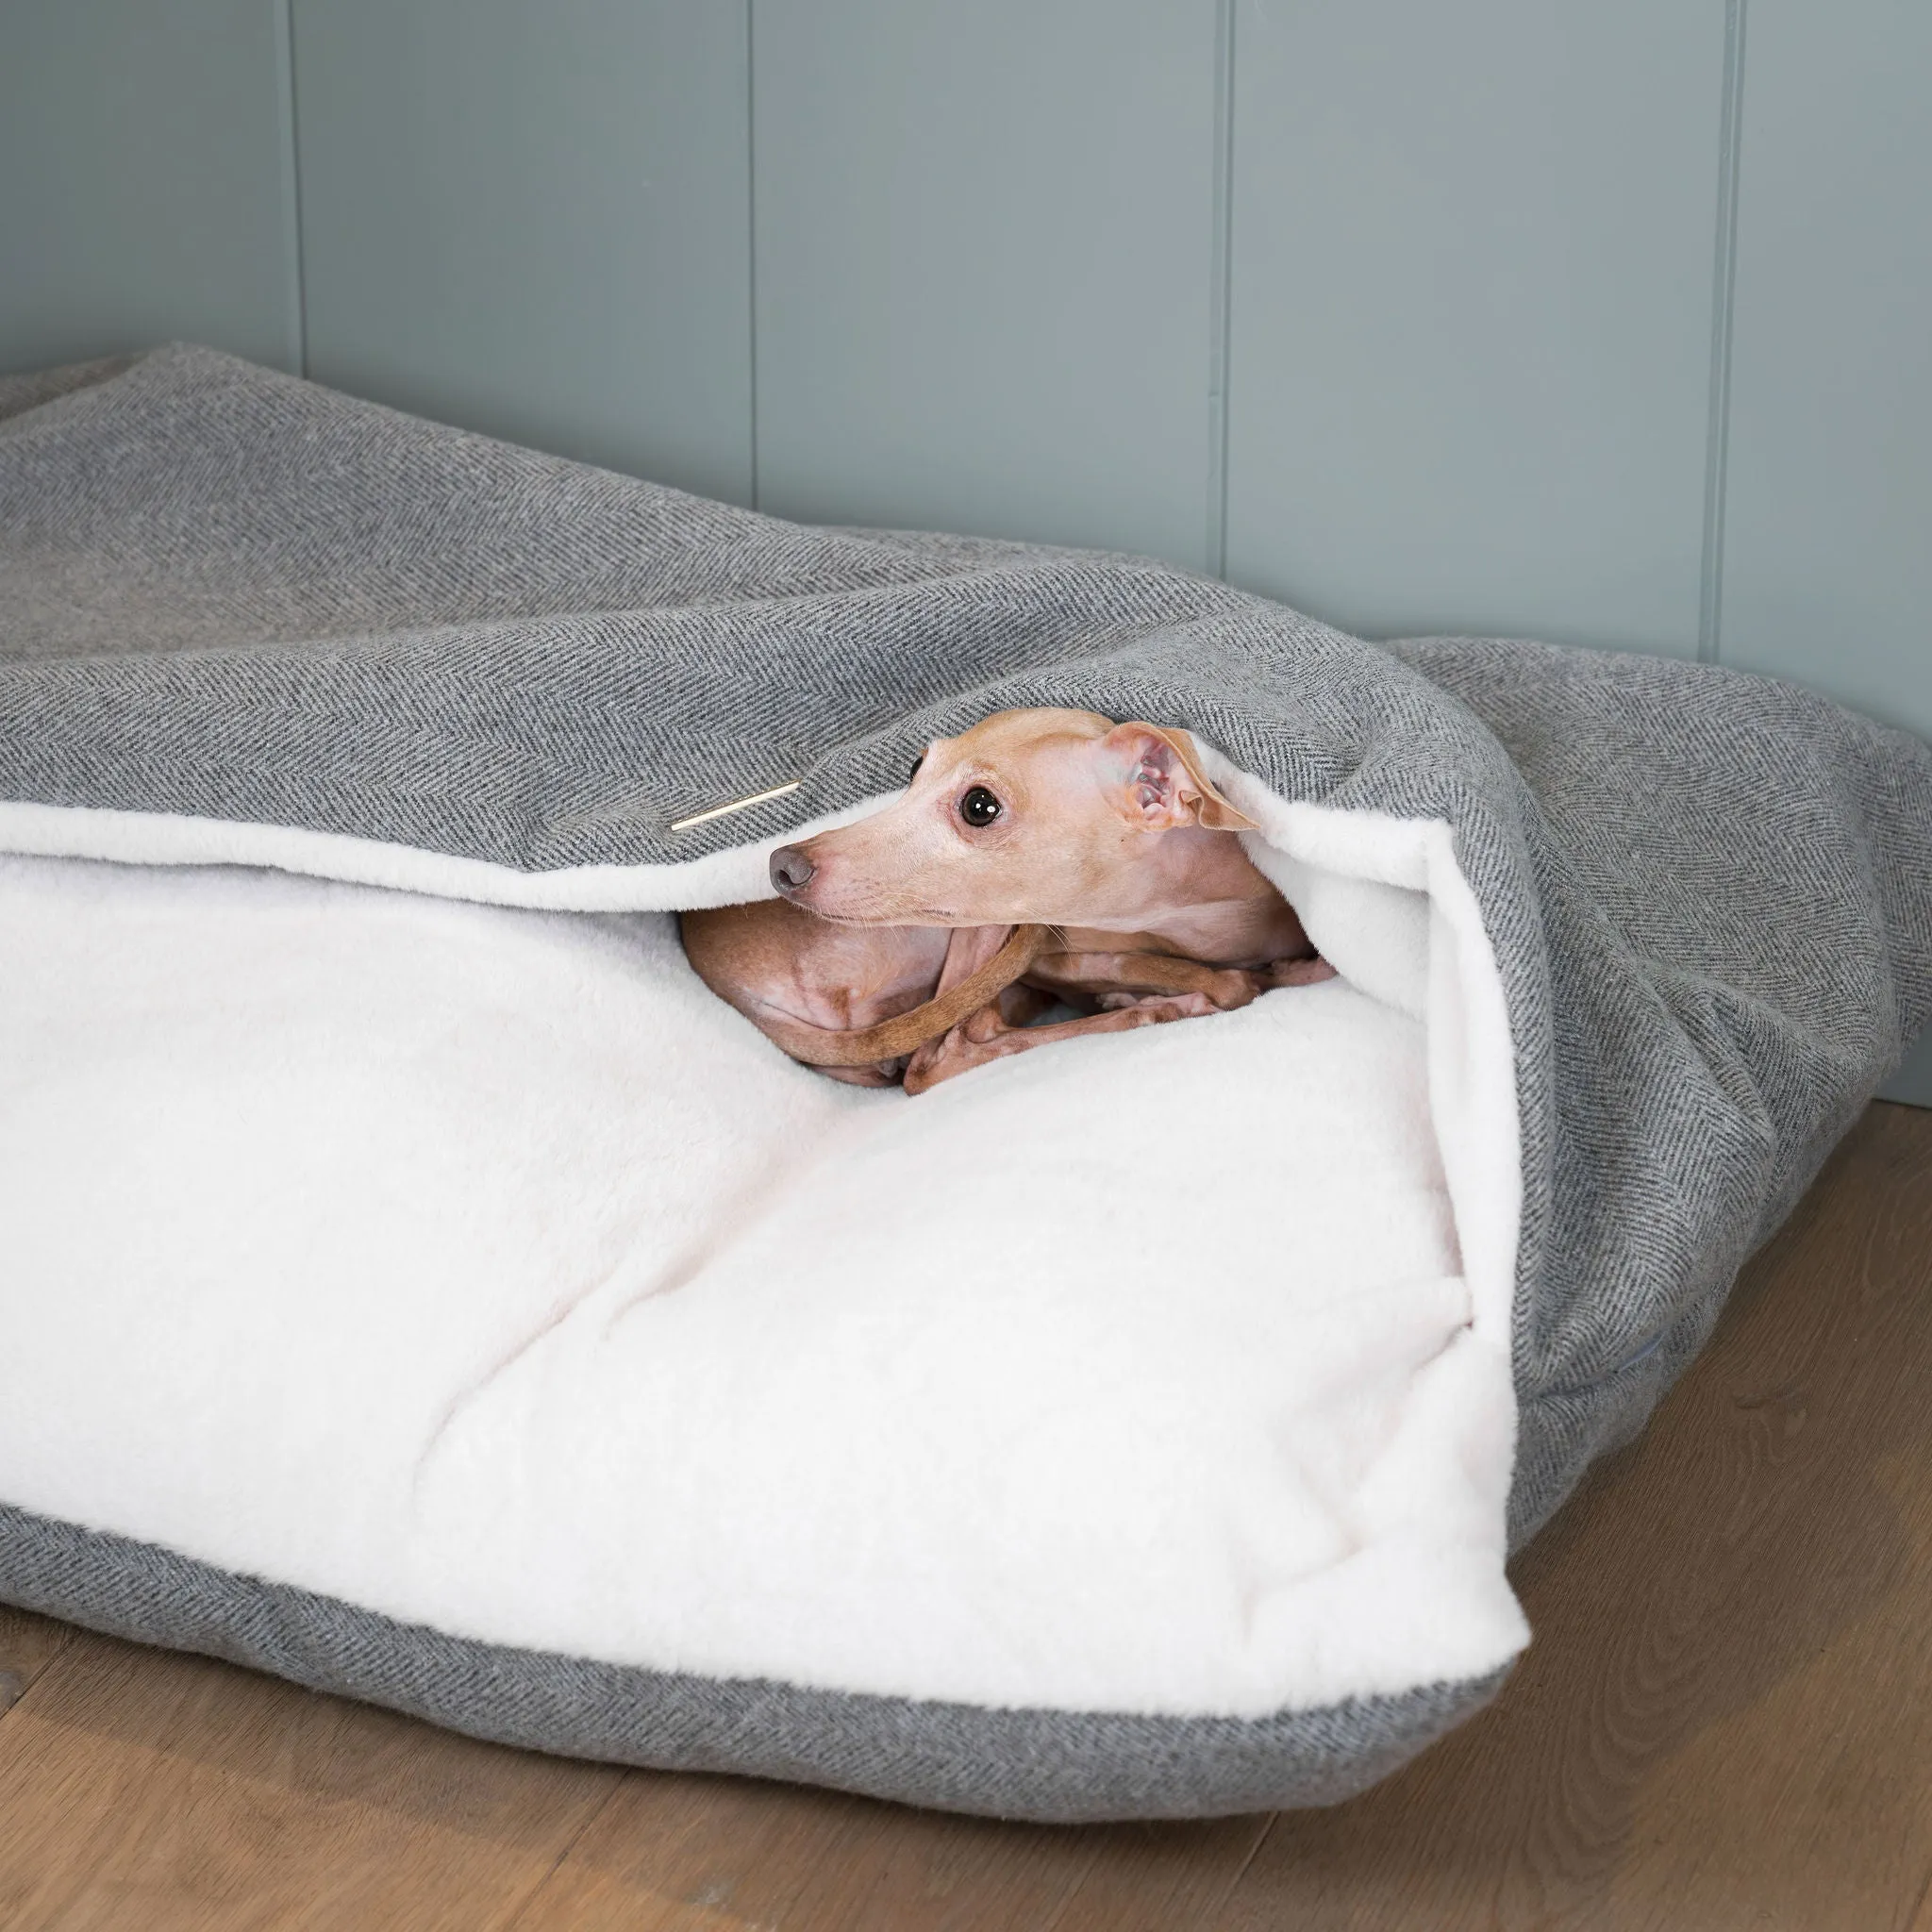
1724,288
750,233
1220,288
297,293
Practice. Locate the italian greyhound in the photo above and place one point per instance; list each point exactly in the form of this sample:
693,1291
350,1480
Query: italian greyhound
1043,856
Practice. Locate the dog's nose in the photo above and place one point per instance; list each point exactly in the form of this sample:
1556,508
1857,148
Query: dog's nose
791,870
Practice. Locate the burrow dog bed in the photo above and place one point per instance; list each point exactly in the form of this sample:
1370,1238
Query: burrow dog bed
412,1282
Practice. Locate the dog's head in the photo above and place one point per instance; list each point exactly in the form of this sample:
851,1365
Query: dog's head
1039,816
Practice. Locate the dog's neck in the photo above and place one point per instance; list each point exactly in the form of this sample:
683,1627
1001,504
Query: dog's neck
1197,895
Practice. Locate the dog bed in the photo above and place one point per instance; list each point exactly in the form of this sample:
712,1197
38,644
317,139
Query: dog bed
416,1284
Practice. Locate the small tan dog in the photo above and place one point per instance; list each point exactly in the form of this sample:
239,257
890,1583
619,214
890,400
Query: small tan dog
1043,855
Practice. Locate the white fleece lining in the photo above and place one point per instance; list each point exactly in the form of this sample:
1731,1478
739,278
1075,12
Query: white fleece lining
143,837
475,1265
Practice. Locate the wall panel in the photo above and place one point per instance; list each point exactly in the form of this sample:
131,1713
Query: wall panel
144,179
1913,1083
534,220
985,237
1828,525
1829,520
1472,299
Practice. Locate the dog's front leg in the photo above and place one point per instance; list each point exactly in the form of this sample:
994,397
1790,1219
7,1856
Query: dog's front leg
1114,979
985,1035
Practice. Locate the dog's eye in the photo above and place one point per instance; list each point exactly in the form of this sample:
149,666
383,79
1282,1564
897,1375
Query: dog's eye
979,807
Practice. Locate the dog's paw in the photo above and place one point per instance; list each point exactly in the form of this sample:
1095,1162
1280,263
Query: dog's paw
1160,1007
1153,1009
1299,973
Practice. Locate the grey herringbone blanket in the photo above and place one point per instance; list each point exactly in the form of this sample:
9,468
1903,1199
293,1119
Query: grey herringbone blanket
228,593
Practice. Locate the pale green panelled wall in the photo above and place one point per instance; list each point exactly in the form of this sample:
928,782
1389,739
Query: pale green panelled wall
1607,325
1473,251
529,217
147,186
986,251
1828,538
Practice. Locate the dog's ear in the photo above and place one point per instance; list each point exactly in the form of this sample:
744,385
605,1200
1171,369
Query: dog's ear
1156,781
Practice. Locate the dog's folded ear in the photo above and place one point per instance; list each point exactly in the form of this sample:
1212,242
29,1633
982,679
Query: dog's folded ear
1159,783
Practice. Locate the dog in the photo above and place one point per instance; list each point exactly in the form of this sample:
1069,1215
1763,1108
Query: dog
1044,856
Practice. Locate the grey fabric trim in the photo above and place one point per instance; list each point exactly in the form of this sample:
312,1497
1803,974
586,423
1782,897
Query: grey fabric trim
1061,1766
31,389
228,593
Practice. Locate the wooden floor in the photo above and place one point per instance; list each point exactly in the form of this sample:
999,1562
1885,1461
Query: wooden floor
1725,1719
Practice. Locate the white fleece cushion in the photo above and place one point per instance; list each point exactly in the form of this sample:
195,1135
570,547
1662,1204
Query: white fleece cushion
478,1267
